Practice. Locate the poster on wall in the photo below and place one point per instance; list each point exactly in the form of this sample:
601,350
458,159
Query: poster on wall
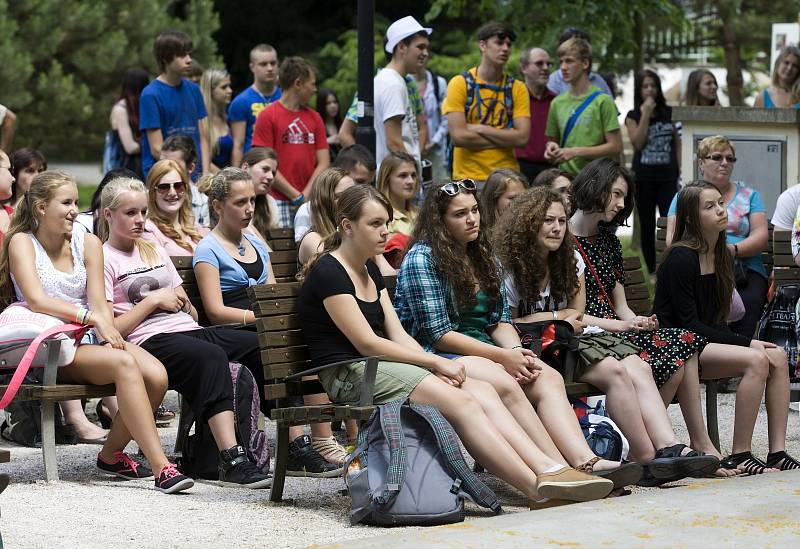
783,34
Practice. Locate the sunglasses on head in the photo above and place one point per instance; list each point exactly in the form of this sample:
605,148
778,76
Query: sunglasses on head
164,188
454,187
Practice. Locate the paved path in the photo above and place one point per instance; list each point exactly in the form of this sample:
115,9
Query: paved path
711,513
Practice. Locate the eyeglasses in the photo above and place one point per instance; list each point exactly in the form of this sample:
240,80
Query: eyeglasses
164,188
454,187
716,157
541,63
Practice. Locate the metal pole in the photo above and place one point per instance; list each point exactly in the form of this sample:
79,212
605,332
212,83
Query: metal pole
365,132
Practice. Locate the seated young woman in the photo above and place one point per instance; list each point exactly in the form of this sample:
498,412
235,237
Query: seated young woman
170,221
261,164
695,283
226,263
152,310
346,314
324,197
502,186
398,180
450,298
558,180
546,280
58,271
602,199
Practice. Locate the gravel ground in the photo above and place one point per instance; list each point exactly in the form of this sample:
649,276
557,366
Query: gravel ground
87,509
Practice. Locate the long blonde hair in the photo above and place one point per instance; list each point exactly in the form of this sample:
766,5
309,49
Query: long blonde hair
323,210
776,81
185,215
210,80
389,164
24,220
109,199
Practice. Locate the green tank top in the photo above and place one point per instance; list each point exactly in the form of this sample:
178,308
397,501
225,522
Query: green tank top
473,322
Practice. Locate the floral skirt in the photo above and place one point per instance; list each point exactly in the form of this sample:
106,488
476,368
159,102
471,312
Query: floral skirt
666,350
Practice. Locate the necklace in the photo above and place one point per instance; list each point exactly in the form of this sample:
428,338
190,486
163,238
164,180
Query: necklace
241,248
263,97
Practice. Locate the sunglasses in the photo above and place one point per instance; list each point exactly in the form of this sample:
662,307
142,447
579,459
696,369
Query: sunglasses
164,188
720,157
454,187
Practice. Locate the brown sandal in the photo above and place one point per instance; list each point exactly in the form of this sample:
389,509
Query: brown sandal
588,467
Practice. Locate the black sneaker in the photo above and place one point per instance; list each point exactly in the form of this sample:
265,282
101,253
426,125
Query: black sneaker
235,470
170,480
124,467
304,461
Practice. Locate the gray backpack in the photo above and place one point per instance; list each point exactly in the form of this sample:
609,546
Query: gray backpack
412,470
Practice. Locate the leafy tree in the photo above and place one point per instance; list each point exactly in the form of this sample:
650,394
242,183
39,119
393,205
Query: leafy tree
63,61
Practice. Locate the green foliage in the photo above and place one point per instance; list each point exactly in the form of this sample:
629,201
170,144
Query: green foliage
63,61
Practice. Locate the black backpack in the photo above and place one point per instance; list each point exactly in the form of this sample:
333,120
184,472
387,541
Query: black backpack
779,325
554,342
199,452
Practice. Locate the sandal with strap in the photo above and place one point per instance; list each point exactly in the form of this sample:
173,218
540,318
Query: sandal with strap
330,449
671,463
746,462
787,462
627,474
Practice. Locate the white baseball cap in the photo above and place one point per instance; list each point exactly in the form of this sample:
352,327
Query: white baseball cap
401,29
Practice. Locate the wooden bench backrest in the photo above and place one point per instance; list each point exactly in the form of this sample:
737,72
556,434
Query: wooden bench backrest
284,254
784,268
636,292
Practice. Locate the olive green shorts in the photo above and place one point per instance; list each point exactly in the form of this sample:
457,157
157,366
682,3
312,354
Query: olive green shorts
596,347
393,381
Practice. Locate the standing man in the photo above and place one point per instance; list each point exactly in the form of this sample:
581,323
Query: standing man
535,67
557,84
297,134
171,103
433,89
582,124
487,110
246,107
396,128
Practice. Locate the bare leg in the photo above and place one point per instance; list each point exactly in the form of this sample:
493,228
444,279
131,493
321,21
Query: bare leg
478,432
101,365
670,388
75,416
652,408
515,401
322,430
549,396
611,376
111,406
222,428
777,399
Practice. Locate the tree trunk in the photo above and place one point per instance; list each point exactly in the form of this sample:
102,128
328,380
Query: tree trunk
733,56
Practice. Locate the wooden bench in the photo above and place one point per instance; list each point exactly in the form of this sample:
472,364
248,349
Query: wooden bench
49,393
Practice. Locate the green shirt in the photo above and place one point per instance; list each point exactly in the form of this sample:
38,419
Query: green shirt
598,119
473,323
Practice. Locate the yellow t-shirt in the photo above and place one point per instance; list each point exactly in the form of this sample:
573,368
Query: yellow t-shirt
402,222
490,110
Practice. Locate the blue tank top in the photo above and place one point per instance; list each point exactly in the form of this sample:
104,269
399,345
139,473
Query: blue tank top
224,151
770,105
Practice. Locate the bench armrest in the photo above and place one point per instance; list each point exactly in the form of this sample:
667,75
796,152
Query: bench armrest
368,385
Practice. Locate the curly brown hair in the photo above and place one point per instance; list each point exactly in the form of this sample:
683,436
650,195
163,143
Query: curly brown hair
449,259
517,245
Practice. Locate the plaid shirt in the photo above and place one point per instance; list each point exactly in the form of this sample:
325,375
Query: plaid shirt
425,302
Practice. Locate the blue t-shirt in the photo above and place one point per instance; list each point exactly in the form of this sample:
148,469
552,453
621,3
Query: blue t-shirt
173,110
246,107
745,201
232,275
224,150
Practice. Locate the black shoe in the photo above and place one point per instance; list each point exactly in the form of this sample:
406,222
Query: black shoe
124,467
304,461
670,463
235,470
649,481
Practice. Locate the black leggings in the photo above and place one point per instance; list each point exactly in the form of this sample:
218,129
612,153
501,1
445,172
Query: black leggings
753,296
650,194
197,365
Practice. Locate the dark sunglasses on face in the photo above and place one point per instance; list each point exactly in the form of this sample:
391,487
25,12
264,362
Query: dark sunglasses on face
716,157
164,188
453,188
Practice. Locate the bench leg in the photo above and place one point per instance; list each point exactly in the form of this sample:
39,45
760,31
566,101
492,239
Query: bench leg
49,440
179,440
711,412
281,461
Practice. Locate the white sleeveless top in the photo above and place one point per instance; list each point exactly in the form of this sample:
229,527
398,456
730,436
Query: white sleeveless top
70,287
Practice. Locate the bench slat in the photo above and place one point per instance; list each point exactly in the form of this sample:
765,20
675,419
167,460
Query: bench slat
278,323
271,291
286,338
327,412
284,369
274,307
292,389
287,270
280,244
33,391
284,354
283,256
280,233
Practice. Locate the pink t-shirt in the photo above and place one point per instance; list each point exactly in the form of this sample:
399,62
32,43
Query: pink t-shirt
128,281
154,234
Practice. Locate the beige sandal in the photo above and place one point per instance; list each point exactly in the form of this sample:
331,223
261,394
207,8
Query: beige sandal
588,467
330,449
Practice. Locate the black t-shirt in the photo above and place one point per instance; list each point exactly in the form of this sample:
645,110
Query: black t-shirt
685,299
326,342
658,161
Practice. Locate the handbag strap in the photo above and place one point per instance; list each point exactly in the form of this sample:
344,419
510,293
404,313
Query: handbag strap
594,273
30,353
576,114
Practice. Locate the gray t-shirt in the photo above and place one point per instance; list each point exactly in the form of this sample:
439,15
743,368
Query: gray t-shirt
786,208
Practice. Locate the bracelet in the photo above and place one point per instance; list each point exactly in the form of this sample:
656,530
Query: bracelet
517,347
555,315
244,317
88,318
299,200
82,314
